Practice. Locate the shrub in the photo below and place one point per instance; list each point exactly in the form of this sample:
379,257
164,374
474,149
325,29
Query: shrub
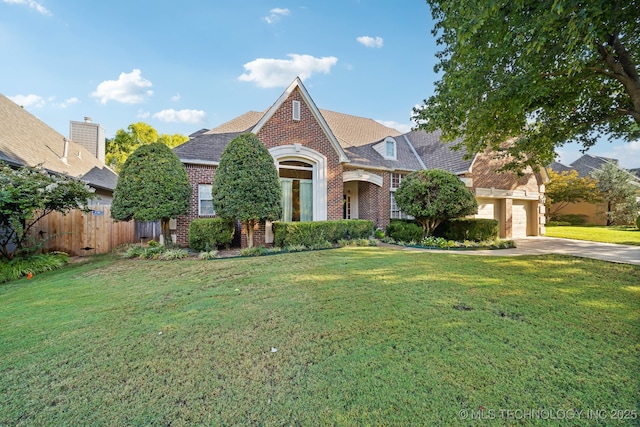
572,219
404,231
173,254
208,255
476,229
318,233
254,251
379,233
638,221
210,233
557,224
19,267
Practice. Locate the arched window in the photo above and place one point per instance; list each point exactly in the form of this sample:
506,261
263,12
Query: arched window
296,179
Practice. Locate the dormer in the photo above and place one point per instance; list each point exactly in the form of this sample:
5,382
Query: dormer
387,148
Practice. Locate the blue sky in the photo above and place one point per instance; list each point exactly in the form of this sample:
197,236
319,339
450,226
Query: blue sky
182,66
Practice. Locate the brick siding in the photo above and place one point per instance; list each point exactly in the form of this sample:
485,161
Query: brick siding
198,174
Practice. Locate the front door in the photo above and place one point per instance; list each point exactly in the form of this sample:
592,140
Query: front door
350,198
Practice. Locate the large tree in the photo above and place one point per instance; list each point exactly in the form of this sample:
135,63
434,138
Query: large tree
126,141
524,77
567,187
433,196
619,189
29,194
153,185
246,185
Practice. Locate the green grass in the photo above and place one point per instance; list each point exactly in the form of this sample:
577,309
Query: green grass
364,336
626,235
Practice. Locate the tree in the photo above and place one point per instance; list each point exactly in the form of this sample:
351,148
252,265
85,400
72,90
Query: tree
29,194
618,188
567,187
125,142
246,185
153,185
434,195
535,74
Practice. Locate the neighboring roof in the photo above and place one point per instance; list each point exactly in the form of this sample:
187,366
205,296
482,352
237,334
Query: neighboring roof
559,167
27,141
588,163
438,155
240,124
205,148
636,172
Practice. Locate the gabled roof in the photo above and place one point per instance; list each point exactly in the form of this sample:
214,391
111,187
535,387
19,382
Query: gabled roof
27,141
588,163
559,167
438,155
367,156
205,148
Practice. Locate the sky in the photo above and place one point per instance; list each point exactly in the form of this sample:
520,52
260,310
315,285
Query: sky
181,66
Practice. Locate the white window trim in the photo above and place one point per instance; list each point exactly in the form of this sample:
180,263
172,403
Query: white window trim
319,164
295,110
200,202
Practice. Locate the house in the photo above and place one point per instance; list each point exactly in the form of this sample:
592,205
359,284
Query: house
334,166
27,141
593,213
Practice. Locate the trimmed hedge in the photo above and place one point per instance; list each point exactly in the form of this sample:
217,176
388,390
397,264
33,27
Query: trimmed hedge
475,230
402,230
572,219
209,233
315,233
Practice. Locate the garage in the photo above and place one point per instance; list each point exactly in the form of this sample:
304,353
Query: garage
520,214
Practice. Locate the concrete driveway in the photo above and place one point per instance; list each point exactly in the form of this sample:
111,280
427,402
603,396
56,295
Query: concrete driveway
624,254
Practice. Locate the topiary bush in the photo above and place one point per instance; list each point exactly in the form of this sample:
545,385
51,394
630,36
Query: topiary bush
405,231
475,229
210,233
317,233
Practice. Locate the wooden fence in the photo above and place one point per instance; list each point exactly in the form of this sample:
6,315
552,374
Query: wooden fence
80,234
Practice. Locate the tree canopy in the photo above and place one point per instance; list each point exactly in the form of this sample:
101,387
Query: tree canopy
153,185
433,196
28,195
246,184
567,187
534,73
125,142
618,189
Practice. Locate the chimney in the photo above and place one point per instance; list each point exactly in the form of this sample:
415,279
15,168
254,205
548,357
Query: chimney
87,120
65,151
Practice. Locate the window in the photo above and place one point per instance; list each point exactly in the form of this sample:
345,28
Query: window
396,179
390,148
296,180
205,200
396,213
295,110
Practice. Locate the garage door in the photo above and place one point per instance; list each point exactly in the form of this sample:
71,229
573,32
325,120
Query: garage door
520,214
487,209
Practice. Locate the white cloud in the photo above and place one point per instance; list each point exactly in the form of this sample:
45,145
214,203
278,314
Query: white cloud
65,103
143,114
176,97
276,14
32,4
27,101
628,153
267,73
130,88
402,127
182,116
371,41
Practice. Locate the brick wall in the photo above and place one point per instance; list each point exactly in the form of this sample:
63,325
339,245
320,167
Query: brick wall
198,174
374,202
485,175
281,129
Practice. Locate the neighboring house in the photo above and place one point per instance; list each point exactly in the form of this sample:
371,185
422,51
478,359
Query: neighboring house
593,213
334,166
27,141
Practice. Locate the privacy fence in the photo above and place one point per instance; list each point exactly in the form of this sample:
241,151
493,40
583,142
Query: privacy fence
79,234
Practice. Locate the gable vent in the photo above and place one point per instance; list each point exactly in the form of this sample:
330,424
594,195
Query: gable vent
296,110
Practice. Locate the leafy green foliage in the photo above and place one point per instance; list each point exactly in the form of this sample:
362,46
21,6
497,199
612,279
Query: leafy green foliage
473,229
127,141
567,187
153,186
544,72
312,234
20,267
28,195
618,188
434,195
210,233
570,219
404,231
638,221
246,184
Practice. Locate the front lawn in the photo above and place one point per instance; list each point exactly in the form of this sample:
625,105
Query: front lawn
626,235
352,336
